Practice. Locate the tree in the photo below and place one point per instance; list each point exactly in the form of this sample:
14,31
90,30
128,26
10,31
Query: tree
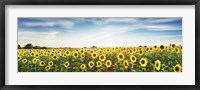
28,46
94,47
19,47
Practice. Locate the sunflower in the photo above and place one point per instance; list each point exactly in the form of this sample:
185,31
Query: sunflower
47,68
94,55
126,64
177,50
108,63
162,47
75,54
67,53
133,59
173,45
34,60
24,60
91,64
32,54
19,57
82,55
102,57
157,65
42,63
143,62
54,57
120,57
51,63
155,47
141,52
82,66
66,64
99,63
37,55
177,68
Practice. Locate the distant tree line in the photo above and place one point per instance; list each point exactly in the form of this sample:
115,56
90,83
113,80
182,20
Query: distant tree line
30,46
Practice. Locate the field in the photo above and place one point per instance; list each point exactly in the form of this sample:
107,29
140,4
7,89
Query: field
158,58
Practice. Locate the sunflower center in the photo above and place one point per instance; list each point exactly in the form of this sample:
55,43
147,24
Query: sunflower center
75,54
54,57
99,64
140,52
156,64
102,57
133,58
177,68
173,45
108,63
94,55
142,61
18,57
91,64
126,64
67,52
81,51
120,56
161,47
82,66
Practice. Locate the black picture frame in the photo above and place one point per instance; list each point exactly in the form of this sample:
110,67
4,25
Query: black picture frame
3,3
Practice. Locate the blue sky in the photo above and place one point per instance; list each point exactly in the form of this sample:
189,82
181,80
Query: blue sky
101,32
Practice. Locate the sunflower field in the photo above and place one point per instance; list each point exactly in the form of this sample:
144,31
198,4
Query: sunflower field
158,58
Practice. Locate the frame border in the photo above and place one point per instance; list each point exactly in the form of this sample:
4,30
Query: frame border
3,3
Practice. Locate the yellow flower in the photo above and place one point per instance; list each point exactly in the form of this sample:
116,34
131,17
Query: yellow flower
24,60
177,68
54,57
99,63
91,64
173,45
82,55
75,54
141,52
126,64
42,63
94,55
102,57
82,66
133,58
32,54
47,68
120,57
67,53
108,63
37,55
34,60
66,64
51,63
19,57
143,62
177,50
157,65
162,47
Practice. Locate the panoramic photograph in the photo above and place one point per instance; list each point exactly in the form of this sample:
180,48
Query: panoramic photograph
99,44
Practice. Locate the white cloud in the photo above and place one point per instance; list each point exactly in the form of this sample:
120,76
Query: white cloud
63,23
163,20
33,37
113,20
162,27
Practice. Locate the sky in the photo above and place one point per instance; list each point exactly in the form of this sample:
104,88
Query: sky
100,32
